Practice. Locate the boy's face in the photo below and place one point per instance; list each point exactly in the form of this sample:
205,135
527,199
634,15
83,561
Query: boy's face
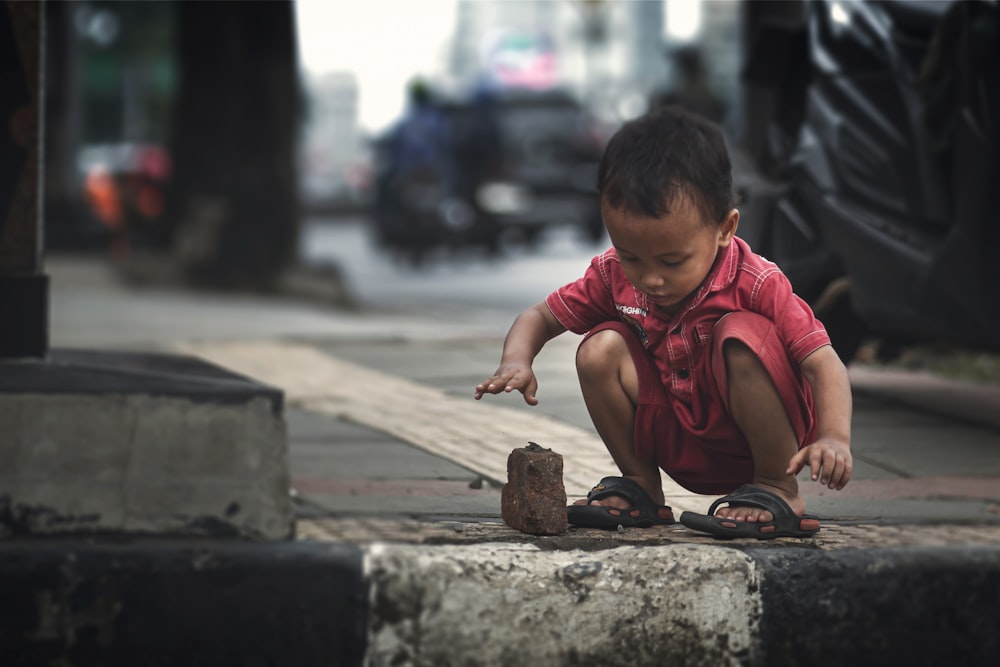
669,257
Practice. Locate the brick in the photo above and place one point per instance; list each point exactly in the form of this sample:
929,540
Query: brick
534,499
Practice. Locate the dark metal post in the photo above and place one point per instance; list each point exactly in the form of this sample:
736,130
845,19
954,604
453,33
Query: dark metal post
23,285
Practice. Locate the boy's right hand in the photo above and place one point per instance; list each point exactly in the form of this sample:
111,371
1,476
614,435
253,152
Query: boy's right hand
509,377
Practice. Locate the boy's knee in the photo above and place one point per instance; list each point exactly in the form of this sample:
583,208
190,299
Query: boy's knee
600,351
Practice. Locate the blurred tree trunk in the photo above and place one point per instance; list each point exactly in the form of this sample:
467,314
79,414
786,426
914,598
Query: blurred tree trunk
23,286
233,203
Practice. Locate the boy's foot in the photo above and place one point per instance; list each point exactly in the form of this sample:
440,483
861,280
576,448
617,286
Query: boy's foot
618,501
784,521
755,514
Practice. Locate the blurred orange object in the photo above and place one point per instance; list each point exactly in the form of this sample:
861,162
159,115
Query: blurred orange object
102,194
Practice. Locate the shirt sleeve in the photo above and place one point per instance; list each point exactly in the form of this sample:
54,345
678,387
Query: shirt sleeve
583,304
797,325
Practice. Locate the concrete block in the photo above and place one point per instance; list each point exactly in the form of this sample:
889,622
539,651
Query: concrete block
534,499
59,437
29,507
144,444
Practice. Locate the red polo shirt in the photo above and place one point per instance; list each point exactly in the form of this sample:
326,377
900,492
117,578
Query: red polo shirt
740,280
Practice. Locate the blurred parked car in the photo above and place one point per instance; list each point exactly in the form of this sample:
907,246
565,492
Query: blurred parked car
551,148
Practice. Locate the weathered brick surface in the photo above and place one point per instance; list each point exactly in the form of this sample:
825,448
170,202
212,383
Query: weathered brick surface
534,499
833,536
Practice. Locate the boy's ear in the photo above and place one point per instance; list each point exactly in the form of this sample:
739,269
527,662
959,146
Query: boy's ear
727,230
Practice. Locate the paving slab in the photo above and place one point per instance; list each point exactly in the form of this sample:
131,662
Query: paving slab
342,468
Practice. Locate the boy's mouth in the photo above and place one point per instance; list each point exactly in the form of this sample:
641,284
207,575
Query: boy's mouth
660,299
666,303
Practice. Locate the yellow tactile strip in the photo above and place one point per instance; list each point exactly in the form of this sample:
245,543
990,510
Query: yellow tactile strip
477,435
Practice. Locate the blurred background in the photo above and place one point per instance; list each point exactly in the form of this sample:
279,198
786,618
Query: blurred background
556,73
400,147
605,59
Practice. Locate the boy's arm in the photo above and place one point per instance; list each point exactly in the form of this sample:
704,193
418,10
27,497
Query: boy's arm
530,332
829,458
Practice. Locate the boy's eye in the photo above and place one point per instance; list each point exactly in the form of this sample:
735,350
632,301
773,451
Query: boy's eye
676,262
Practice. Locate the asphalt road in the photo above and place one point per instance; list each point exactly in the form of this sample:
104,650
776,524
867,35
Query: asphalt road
459,285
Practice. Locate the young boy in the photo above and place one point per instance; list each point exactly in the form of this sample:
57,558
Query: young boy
697,359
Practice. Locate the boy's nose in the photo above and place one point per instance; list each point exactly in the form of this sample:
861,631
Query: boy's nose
651,280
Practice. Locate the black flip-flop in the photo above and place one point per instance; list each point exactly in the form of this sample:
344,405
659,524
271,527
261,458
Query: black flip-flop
642,513
786,523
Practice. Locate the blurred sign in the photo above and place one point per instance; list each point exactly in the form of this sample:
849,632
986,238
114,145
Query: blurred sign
520,59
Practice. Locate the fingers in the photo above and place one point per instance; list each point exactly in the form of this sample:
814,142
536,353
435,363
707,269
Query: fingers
486,387
494,385
505,382
830,466
815,463
797,462
840,472
834,471
529,392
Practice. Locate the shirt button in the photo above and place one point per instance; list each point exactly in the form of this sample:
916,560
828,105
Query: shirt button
676,330
684,373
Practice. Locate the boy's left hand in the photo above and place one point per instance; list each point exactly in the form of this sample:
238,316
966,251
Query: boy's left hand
830,462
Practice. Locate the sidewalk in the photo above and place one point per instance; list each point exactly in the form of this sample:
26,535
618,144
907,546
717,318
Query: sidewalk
912,466
916,541
392,460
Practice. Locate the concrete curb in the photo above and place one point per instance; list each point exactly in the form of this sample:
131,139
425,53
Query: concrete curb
170,603
683,605
911,606
321,603
515,604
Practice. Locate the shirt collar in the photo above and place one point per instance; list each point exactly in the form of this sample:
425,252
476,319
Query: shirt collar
722,274
726,267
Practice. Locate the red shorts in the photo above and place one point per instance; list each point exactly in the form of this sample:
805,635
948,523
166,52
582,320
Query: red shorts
699,444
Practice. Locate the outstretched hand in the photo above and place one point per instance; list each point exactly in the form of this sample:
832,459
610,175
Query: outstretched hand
829,461
509,377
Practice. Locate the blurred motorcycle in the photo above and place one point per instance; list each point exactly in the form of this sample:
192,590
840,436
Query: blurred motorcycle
507,165
428,172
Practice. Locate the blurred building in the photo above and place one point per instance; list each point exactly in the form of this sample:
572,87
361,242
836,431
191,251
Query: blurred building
612,55
720,43
333,153
645,46
609,54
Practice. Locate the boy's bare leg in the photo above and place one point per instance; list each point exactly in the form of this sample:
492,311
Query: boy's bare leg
757,408
610,388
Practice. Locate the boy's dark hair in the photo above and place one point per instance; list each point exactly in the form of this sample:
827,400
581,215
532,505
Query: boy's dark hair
656,158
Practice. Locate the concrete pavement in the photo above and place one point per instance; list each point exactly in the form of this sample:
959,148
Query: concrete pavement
391,457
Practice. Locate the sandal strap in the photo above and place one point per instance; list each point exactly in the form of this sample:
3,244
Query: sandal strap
749,495
620,486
